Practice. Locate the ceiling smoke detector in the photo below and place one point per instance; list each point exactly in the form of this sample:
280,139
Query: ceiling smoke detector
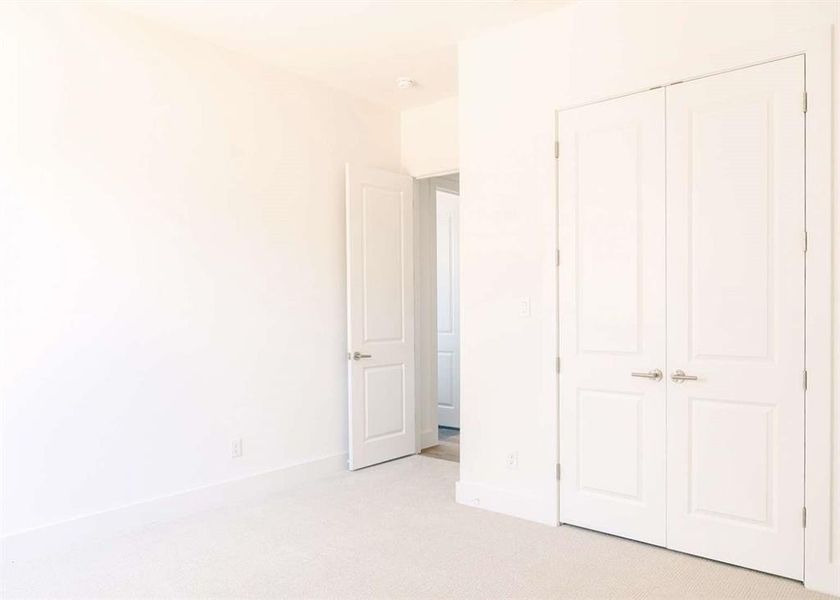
405,83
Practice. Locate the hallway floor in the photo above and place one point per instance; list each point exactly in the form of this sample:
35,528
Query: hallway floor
448,447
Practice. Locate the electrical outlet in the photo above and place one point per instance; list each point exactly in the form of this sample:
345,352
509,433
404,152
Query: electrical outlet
236,448
524,307
512,460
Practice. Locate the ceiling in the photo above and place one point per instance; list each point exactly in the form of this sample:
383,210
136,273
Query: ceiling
357,46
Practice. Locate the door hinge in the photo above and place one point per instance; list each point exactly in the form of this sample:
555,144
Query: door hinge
804,102
557,258
804,517
805,380
804,241
557,364
556,149
557,471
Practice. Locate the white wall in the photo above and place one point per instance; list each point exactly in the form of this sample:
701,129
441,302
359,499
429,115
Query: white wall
510,83
430,138
172,263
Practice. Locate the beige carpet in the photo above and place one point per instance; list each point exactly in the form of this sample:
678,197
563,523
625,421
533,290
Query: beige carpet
391,531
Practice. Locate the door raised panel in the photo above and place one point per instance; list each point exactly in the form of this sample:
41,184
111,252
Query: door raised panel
608,239
610,444
384,401
730,214
384,289
731,459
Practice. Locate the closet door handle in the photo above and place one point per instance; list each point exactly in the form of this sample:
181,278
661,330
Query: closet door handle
656,375
678,377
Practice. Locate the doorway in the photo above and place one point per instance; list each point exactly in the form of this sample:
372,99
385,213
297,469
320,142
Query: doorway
682,297
403,332
438,322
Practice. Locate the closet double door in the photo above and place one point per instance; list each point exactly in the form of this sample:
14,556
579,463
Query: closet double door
681,296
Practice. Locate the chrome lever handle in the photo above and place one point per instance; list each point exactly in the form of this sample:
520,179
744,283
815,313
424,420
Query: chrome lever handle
656,375
679,376
359,355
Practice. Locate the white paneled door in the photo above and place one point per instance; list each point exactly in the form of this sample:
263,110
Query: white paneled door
612,316
701,279
736,316
447,310
380,315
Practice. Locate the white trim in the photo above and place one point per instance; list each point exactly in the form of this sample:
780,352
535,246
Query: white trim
822,570
508,502
678,81
63,536
437,174
448,183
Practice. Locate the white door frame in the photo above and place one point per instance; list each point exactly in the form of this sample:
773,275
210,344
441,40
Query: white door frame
822,397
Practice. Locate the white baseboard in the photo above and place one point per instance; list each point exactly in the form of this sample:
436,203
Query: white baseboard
65,535
825,580
524,506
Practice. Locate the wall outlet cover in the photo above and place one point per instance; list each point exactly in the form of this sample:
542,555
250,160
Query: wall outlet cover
512,460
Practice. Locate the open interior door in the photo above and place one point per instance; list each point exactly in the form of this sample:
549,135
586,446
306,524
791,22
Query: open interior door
380,316
448,360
